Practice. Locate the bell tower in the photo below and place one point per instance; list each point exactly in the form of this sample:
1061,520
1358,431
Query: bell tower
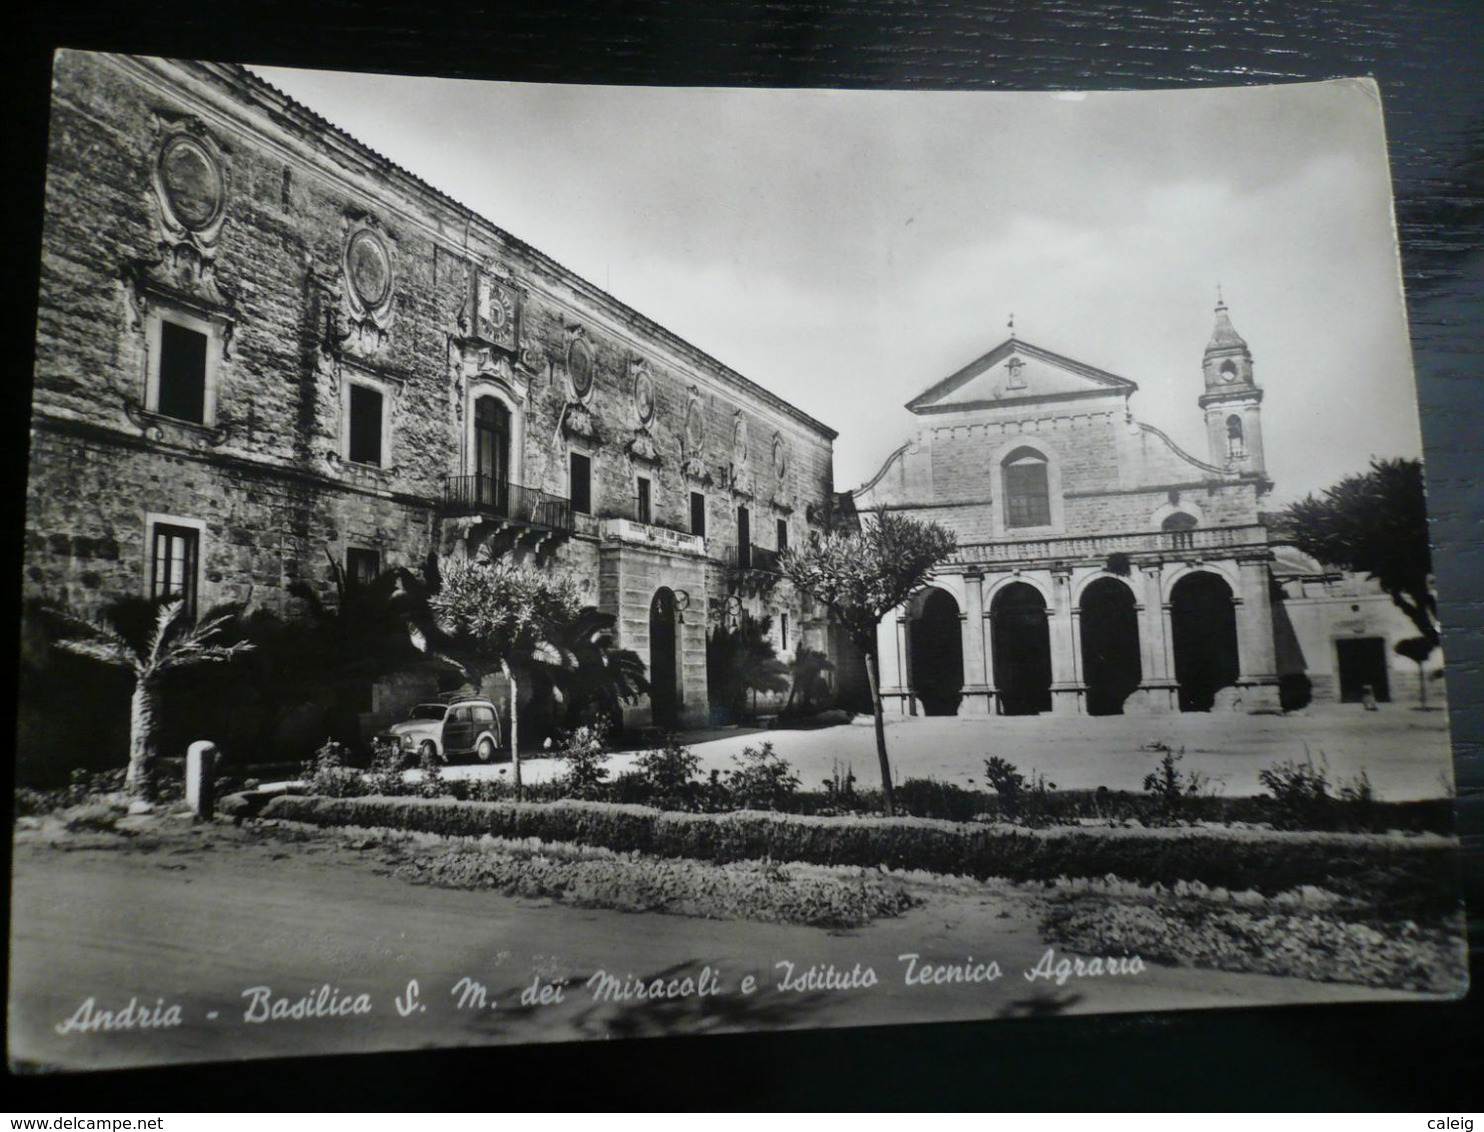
1232,399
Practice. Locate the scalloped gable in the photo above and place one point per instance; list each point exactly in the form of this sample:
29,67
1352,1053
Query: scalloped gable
1016,372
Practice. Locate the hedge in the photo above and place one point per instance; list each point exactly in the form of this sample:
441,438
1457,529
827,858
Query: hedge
1396,875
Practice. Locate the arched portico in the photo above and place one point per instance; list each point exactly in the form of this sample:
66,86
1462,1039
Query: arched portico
935,657
1204,631
1021,642
1111,666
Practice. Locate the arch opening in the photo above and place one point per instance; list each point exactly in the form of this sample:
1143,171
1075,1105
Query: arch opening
1204,622
664,671
1021,641
935,654
1111,665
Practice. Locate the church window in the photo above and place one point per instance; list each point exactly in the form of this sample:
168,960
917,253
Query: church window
1236,446
1027,490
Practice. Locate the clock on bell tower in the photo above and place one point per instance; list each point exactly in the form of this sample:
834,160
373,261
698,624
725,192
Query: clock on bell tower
1232,399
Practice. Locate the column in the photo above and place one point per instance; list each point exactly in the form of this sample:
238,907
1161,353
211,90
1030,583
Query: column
1158,689
1066,685
891,652
976,691
1257,658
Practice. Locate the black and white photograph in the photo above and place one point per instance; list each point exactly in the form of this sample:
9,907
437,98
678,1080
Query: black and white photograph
510,563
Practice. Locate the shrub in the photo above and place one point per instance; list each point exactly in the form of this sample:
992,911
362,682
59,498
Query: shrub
668,775
1301,791
1170,785
1398,877
928,798
763,779
327,773
583,749
1028,802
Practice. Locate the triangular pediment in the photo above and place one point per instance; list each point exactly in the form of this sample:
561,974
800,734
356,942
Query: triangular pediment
1016,372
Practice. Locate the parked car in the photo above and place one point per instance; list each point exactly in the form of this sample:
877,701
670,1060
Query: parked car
448,731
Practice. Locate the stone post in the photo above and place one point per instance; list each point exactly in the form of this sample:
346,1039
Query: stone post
977,694
200,783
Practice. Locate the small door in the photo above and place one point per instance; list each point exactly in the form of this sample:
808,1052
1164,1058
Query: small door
458,730
1362,664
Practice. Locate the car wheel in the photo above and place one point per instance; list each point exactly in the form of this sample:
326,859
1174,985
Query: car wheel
428,750
486,750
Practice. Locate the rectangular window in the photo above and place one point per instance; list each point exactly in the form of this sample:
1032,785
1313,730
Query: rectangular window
362,566
782,535
744,538
783,631
181,389
364,445
642,510
173,560
581,484
697,514
1028,502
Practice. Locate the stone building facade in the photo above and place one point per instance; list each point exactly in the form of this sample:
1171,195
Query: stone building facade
1101,568
265,351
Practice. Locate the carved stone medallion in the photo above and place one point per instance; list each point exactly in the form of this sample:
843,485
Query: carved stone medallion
368,269
191,182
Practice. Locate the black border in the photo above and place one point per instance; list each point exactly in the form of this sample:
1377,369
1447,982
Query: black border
1429,60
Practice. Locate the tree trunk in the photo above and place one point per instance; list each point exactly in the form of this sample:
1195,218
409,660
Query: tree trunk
514,728
139,780
875,681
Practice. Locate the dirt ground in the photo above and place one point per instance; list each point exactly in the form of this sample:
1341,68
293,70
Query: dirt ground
197,917
1404,751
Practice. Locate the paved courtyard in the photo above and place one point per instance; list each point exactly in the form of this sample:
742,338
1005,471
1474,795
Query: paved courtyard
1404,751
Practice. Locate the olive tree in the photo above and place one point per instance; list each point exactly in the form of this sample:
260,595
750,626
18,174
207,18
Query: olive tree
493,616
861,576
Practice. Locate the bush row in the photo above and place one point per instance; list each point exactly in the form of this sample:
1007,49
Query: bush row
1396,875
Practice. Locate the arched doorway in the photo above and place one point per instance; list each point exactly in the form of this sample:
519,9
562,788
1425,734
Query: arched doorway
1204,623
1111,667
1022,650
936,653
492,452
664,687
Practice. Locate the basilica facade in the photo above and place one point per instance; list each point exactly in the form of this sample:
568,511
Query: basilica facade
1102,569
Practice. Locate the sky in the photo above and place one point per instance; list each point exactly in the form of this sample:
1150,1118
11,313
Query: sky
849,249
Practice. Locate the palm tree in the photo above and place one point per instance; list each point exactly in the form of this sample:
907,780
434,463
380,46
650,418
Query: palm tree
810,684
741,659
579,659
173,643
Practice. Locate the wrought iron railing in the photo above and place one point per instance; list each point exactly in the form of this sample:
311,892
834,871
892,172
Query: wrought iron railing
487,495
752,557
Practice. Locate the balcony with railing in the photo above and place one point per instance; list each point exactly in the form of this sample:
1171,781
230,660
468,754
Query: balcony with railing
751,557
486,496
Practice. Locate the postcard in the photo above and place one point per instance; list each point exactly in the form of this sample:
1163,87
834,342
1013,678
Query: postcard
510,563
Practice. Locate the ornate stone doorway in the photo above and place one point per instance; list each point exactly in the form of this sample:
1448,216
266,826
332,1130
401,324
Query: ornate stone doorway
664,684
